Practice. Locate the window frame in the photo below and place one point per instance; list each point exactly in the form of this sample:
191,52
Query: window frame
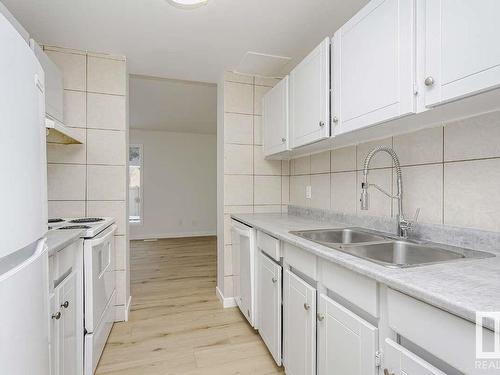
141,188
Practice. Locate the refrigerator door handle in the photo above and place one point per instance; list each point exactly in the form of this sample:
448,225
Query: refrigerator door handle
22,258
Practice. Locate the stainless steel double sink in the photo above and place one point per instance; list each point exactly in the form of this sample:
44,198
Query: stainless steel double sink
388,250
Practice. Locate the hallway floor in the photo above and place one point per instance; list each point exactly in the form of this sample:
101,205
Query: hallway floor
177,325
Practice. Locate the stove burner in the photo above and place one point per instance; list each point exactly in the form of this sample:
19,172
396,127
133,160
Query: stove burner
87,220
76,227
58,220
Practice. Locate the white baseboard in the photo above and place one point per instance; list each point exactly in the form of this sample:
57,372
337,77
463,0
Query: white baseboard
226,301
122,311
170,235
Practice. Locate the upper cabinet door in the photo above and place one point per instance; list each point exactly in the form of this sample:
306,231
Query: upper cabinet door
346,343
374,55
310,97
275,118
462,53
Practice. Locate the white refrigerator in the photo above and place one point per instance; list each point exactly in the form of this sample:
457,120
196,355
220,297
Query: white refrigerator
24,319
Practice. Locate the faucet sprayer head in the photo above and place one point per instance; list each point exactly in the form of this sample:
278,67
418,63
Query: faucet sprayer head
364,196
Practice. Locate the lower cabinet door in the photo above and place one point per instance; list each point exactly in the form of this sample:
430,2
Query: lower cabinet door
300,326
400,361
54,335
68,344
347,344
269,303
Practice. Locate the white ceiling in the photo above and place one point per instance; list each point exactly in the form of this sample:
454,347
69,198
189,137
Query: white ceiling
173,105
196,45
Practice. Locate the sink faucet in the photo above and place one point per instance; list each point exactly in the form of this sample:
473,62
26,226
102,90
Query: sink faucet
404,225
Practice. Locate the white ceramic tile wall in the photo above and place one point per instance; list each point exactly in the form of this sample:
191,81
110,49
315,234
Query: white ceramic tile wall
90,179
251,184
450,172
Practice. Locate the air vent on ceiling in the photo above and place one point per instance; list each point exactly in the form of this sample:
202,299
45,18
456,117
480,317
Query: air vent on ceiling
261,64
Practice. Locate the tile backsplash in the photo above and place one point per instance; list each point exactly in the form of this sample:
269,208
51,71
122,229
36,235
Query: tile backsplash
251,184
451,172
91,179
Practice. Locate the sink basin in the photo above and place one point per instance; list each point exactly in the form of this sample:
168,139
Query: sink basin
344,236
403,253
387,250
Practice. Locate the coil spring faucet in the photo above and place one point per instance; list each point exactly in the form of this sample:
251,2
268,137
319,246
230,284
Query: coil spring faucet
404,225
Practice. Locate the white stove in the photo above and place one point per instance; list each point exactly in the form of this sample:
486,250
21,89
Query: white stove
92,225
99,281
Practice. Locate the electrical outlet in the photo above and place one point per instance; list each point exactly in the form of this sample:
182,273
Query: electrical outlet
308,192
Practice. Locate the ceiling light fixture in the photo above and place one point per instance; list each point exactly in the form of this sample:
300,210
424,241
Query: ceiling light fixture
187,4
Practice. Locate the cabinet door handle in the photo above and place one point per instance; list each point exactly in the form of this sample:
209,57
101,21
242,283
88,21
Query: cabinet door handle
307,306
275,280
283,140
65,304
321,317
386,372
321,124
335,119
429,81
56,316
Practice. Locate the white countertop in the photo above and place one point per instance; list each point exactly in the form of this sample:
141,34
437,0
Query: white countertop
461,288
59,239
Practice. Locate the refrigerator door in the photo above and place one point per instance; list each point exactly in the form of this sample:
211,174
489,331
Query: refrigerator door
23,181
24,320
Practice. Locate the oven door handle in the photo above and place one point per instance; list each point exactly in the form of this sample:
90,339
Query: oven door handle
99,240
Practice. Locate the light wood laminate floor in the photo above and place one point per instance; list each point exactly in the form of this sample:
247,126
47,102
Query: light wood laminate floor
177,325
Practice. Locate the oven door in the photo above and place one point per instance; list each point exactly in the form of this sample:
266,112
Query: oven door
99,270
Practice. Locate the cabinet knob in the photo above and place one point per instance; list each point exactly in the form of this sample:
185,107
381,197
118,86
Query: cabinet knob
283,140
335,119
56,316
386,372
321,317
307,306
275,280
429,81
65,304
321,124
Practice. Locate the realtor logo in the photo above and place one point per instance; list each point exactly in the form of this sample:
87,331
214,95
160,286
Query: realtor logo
487,342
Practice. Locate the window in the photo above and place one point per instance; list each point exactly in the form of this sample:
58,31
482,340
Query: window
135,184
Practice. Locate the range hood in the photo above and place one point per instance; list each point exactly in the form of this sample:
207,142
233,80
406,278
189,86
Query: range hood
57,132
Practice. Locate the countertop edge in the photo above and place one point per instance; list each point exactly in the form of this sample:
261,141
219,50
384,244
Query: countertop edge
366,268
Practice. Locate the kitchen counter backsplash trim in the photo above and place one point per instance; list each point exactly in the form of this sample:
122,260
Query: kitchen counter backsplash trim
473,239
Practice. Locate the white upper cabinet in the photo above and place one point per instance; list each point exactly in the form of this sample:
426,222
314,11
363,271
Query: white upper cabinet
275,118
374,66
310,97
462,52
346,343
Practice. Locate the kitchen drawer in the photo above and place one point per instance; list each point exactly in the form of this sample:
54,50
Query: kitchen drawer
444,335
62,263
357,289
269,245
301,260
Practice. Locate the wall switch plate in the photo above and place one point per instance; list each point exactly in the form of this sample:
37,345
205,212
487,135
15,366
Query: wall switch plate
308,192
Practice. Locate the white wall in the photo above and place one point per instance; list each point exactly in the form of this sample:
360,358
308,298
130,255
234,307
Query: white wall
179,193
